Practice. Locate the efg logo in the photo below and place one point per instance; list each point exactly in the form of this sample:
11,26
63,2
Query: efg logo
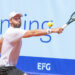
43,66
31,23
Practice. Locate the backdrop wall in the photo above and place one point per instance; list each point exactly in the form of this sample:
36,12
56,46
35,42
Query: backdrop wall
46,54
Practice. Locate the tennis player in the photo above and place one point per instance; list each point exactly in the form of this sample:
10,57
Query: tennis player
10,43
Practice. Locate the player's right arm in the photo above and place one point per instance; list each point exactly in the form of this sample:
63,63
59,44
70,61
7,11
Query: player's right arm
41,32
1,42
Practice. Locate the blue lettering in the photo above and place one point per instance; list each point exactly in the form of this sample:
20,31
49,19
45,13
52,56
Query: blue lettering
2,21
46,41
31,23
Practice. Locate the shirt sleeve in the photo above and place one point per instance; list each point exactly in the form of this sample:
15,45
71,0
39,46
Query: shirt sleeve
14,35
20,32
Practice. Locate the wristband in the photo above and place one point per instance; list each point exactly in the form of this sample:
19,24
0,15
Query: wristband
48,31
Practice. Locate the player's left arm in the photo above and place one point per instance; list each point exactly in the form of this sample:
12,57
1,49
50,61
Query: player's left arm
1,42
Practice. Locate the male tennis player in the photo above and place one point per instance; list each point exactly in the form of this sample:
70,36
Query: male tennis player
10,44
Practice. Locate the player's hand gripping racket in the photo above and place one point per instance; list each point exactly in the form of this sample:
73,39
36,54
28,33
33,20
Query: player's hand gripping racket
72,19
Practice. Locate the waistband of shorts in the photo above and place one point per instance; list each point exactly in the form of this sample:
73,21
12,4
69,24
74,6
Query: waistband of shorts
8,66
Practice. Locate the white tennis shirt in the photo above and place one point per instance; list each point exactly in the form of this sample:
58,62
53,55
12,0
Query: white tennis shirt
11,46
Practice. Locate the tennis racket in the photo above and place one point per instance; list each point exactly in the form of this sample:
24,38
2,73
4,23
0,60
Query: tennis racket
72,19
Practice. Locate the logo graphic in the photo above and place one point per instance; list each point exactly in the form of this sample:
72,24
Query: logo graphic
5,22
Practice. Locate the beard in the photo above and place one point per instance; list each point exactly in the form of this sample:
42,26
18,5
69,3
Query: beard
17,25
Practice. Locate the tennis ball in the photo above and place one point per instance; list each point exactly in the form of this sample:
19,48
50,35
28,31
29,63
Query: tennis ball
50,24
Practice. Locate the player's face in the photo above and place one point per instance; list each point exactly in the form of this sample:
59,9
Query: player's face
16,21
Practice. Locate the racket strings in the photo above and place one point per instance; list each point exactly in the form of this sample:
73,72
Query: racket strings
72,18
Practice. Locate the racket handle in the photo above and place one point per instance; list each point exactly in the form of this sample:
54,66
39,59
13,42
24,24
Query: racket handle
64,26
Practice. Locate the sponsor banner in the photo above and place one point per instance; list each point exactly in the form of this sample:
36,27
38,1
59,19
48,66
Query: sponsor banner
46,65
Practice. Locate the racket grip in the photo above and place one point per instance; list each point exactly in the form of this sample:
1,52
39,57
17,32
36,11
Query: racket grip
64,26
